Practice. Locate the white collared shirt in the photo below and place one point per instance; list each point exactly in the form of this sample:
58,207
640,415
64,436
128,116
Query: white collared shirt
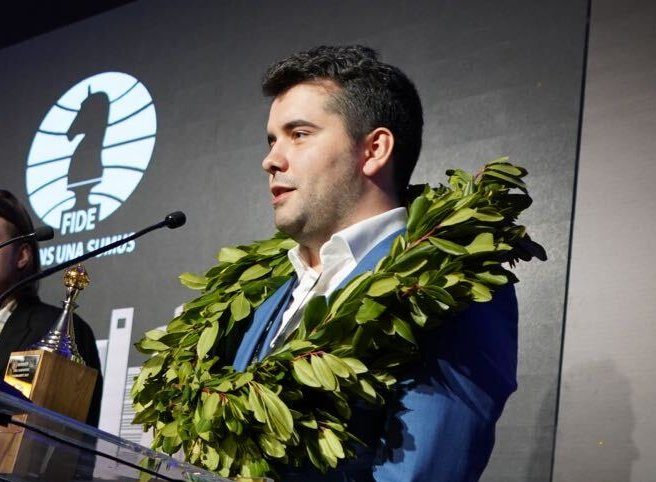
338,256
6,311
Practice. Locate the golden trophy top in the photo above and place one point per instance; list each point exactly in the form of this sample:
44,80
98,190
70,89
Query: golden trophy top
76,277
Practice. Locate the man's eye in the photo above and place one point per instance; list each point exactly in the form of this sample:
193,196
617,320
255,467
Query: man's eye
299,134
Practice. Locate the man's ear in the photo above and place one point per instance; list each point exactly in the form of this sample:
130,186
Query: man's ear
24,256
378,145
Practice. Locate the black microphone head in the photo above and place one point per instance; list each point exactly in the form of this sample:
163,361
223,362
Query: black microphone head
175,220
44,233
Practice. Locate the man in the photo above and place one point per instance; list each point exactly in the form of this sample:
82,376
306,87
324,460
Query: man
344,132
24,319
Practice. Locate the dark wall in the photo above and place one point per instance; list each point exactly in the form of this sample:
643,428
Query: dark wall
496,78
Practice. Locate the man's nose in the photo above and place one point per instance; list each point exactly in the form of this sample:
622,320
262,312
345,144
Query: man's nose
276,160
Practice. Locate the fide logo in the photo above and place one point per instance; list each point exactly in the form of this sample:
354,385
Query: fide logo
91,151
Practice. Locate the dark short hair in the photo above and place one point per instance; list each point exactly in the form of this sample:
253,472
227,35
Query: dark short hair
373,94
12,211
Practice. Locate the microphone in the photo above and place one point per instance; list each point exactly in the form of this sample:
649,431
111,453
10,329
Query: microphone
175,220
171,221
42,233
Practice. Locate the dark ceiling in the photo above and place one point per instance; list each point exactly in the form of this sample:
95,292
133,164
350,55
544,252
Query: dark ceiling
22,20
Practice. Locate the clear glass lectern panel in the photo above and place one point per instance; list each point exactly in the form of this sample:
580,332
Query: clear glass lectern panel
39,444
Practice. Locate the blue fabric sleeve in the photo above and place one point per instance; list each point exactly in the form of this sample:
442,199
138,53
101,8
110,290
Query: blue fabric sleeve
440,425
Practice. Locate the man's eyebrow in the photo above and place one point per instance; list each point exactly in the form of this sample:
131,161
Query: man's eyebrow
298,123
293,124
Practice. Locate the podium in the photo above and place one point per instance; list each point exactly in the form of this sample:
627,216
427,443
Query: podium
56,448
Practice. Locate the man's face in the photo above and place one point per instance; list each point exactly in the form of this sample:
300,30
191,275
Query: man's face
314,169
9,257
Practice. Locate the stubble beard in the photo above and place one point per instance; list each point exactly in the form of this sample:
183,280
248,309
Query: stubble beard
320,214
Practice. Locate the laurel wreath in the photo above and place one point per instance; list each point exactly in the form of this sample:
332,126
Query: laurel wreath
295,404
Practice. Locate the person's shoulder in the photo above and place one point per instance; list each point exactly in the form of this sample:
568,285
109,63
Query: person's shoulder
37,310
40,310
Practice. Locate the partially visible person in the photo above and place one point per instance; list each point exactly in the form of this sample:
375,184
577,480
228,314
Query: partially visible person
24,318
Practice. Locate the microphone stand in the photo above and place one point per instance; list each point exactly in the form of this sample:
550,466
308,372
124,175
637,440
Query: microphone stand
172,221
43,233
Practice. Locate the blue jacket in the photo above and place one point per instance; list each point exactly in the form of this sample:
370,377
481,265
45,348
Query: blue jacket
439,424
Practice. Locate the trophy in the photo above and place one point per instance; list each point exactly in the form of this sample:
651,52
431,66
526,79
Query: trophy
61,337
53,375
51,372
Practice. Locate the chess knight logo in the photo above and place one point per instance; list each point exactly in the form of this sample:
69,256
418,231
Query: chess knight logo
91,151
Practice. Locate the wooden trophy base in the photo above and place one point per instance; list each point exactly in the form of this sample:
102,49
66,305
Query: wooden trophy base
50,381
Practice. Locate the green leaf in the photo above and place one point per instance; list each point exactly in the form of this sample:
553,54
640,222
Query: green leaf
280,419
210,405
230,255
338,367
362,339
492,279
271,446
369,310
323,373
425,278
283,269
382,286
403,329
240,307
298,345
460,216
507,168
498,160
211,458
447,246
339,297
482,243
452,279
255,401
193,281
356,365
151,367
314,454
368,389
488,215
385,378
227,452
154,345
508,180
170,429
398,245
242,379
413,260
480,292
327,451
155,334
304,373
417,314
440,295
416,212
309,423
334,443
315,312
254,272
234,425
207,339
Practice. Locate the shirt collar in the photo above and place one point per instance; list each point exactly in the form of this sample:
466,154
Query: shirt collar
354,242
7,310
